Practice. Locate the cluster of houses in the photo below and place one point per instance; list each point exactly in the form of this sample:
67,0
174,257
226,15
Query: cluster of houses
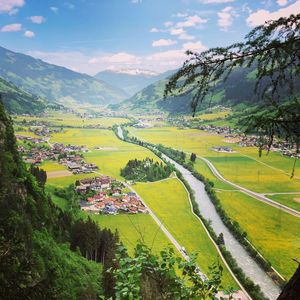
31,139
43,130
107,197
223,149
142,124
76,164
66,155
222,130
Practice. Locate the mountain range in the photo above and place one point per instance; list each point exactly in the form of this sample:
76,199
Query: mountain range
131,80
55,83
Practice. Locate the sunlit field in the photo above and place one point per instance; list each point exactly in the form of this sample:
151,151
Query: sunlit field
169,201
273,232
67,119
131,228
267,174
113,154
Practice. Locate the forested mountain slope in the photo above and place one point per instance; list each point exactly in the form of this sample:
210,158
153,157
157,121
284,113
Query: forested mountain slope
238,89
55,83
35,257
19,101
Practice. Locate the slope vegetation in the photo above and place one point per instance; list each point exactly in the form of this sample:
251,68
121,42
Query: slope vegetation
53,82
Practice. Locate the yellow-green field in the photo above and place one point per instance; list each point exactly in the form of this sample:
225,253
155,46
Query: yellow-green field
273,232
134,228
168,199
131,228
266,174
114,154
68,119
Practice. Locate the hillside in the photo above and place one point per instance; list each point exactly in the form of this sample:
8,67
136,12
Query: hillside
236,91
55,83
18,101
150,100
36,261
131,80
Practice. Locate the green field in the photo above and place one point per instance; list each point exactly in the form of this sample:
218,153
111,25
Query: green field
273,232
131,228
292,200
168,199
265,175
114,154
68,119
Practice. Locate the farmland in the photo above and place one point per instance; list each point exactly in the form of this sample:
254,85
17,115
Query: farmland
169,201
277,230
69,119
264,175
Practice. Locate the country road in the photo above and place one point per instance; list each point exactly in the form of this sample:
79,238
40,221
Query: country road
255,195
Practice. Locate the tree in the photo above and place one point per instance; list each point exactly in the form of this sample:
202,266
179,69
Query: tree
193,157
149,276
274,50
220,240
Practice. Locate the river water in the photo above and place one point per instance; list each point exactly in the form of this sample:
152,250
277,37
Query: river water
244,260
208,211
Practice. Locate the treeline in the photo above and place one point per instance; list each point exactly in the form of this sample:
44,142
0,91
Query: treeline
37,238
146,170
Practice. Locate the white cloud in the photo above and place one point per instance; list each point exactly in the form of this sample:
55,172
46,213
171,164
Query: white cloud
29,34
180,15
226,16
95,62
197,46
282,2
185,36
54,9
10,6
136,1
69,5
177,31
215,1
191,21
37,19
154,29
260,16
11,27
168,24
163,43
122,58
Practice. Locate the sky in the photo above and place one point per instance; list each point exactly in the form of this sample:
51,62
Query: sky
89,36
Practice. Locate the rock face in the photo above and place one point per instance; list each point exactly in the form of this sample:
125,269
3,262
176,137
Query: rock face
292,290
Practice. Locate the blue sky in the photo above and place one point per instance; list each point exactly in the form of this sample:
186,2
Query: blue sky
91,35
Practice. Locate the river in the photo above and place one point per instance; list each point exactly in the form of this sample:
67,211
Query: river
208,211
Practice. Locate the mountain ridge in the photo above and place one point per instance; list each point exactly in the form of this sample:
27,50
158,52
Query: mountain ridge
54,82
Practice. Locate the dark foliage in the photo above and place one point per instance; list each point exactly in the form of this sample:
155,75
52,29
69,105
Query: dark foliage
273,52
146,170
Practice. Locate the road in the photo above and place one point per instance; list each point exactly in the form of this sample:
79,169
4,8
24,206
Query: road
257,196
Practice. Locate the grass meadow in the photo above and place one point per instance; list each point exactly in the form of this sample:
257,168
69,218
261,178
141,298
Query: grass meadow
268,174
273,232
168,199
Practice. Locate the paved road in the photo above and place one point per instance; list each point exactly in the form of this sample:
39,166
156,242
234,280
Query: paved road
257,196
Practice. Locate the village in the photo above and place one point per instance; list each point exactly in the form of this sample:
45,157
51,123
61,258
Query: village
103,195
66,155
